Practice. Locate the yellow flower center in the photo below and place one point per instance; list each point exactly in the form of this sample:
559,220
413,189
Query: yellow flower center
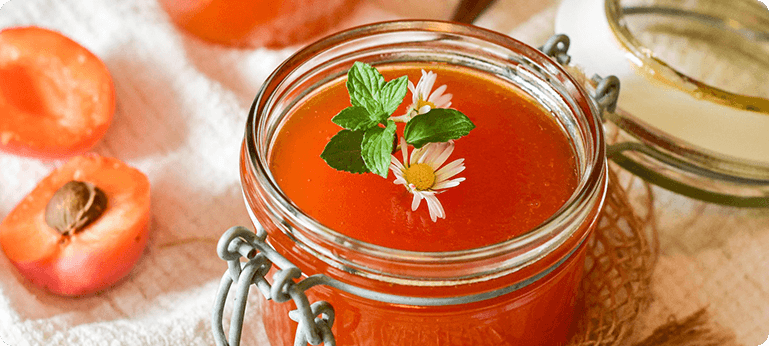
421,103
421,175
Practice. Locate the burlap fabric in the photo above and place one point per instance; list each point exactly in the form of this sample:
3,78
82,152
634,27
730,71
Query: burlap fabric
620,260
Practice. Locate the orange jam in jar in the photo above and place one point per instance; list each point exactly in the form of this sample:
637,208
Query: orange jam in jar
254,23
503,267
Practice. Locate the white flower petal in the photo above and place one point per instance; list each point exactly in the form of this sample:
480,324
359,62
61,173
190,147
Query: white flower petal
443,176
417,93
443,101
435,208
416,201
450,170
404,150
437,93
416,155
443,155
432,151
429,81
395,162
425,85
447,184
396,166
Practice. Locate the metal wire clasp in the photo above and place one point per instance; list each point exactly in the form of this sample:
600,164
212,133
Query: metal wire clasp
314,320
606,91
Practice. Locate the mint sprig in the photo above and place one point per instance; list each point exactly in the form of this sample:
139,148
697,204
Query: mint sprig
367,139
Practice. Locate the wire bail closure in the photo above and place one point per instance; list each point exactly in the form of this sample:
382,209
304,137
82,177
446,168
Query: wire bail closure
314,320
606,91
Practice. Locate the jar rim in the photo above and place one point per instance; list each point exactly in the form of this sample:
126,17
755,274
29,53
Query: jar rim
589,193
615,13
741,169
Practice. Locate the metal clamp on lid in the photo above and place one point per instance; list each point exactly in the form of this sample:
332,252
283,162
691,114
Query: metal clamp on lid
314,320
606,91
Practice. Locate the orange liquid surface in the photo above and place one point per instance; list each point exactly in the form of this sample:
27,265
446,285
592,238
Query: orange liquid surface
520,169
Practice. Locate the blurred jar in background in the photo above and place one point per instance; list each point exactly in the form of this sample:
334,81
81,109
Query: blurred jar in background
257,23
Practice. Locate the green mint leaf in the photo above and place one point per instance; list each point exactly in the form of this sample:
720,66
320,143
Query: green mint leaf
372,106
364,83
354,118
343,152
377,147
392,94
437,125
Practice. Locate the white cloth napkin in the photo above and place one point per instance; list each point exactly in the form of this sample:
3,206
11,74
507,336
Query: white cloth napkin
181,110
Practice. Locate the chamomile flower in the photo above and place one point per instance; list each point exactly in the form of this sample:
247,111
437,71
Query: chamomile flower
423,98
423,176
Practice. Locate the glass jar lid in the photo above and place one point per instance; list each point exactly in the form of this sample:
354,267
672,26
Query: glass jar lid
694,104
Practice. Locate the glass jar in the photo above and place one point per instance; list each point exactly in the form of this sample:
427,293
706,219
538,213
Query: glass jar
694,105
255,23
519,291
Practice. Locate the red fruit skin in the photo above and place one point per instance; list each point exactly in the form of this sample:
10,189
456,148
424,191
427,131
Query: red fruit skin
57,99
97,256
81,274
